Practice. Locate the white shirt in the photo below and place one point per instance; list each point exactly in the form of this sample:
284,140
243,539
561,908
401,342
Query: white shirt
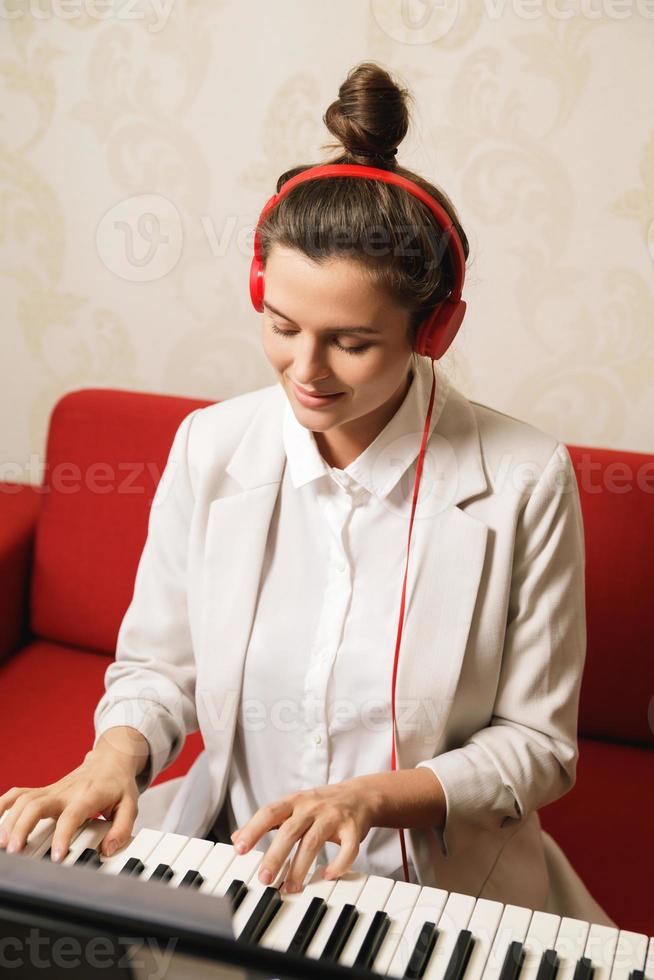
315,702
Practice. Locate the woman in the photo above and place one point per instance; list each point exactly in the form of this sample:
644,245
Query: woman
266,599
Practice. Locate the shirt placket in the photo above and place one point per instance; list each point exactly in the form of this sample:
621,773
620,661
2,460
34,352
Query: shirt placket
336,505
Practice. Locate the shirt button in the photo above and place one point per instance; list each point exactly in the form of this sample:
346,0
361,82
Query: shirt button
317,739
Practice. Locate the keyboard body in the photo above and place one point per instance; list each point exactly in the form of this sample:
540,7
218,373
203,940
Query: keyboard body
359,925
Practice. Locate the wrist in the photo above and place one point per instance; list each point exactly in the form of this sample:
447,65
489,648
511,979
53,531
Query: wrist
125,746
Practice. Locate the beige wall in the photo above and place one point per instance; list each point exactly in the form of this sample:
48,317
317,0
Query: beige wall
139,142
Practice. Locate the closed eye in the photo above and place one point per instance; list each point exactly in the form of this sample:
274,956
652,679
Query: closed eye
349,350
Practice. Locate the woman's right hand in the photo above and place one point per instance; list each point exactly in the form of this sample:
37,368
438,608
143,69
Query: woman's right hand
104,783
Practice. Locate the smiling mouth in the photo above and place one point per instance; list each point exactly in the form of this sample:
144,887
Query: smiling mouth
315,394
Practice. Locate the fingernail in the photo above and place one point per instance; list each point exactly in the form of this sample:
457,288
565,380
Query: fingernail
112,847
4,837
291,887
265,876
241,846
12,846
57,853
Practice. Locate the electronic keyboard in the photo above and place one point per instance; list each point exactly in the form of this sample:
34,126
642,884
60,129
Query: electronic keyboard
355,926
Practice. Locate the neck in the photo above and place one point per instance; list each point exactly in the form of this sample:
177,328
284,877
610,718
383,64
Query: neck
342,445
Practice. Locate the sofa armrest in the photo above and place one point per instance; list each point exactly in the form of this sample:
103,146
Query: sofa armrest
20,505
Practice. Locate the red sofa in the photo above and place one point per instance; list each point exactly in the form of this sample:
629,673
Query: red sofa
68,556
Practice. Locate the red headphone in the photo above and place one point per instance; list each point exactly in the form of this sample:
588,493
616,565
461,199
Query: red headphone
434,335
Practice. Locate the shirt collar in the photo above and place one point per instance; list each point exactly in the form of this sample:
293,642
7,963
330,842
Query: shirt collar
382,464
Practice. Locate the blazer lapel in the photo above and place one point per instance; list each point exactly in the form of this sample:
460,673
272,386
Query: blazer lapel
446,561
237,530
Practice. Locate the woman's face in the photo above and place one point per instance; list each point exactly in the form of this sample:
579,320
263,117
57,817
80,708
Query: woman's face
313,305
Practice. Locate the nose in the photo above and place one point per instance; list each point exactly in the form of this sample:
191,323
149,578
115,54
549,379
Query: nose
310,363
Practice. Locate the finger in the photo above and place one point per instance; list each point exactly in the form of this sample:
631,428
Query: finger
29,809
7,817
312,841
122,823
346,856
8,799
71,817
265,819
283,843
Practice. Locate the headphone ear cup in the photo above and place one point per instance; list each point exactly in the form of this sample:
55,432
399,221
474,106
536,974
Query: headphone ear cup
438,330
256,284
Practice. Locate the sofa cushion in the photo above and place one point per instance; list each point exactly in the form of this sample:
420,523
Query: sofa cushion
604,825
49,693
616,490
106,452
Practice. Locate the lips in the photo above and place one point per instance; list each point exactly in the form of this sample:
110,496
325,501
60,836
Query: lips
315,394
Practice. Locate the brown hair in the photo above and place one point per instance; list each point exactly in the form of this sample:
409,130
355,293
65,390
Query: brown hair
390,232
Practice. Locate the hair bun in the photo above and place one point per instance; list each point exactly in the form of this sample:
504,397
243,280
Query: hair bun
370,118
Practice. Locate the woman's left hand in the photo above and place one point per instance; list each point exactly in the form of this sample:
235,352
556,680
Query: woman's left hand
340,813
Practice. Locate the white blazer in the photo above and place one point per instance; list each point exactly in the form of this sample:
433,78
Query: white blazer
492,650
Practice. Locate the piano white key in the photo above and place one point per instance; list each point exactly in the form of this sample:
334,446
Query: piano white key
215,865
428,908
455,917
191,856
483,925
346,892
137,847
91,834
255,890
600,949
40,838
541,935
570,944
399,907
373,898
512,928
242,868
164,852
286,922
630,954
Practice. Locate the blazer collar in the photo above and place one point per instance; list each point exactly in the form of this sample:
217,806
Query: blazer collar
453,460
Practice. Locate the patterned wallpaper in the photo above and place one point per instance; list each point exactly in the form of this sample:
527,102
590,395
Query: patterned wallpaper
139,141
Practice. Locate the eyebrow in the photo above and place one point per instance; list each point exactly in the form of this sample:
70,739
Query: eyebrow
369,330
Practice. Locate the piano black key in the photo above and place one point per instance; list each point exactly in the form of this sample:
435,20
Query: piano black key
192,879
90,857
308,926
549,965
133,867
422,950
262,915
460,956
340,933
584,969
162,872
236,893
378,928
637,975
513,961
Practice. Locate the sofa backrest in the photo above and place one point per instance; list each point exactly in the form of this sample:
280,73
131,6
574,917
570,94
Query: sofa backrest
106,452
616,490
